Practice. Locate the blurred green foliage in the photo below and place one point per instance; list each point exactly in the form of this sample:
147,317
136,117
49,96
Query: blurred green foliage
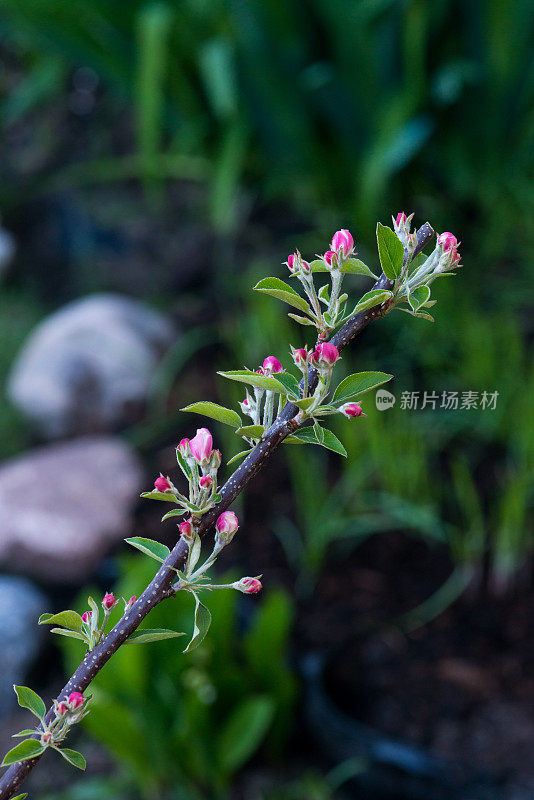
188,723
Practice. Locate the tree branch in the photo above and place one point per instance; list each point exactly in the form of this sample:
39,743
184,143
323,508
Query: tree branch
160,587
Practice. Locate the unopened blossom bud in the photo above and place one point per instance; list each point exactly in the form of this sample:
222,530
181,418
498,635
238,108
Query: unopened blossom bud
75,700
401,219
300,357
128,604
325,354
184,448
215,459
206,481
247,406
351,410
411,242
226,526
186,528
109,601
248,585
328,257
342,242
272,365
201,446
46,737
60,709
86,617
161,484
296,264
447,241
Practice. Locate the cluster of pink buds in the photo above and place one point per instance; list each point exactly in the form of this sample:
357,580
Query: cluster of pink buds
226,527
248,585
351,410
70,706
325,356
448,247
401,225
297,265
66,713
341,248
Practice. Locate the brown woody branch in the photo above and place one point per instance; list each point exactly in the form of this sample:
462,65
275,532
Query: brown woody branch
161,586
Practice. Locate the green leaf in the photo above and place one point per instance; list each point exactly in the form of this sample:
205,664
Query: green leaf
302,320
353,266
373,298
215,411
243,732
70,634
251,431
420,314
324,293
290,383
176,512
25,732
390,251
319,433
419,297
149,547
283,291
69,619
308,436
355,385
29,699
254,379
151,635
72,756
168,498
20,796
304,403
201,625
239,455
318,265
29,748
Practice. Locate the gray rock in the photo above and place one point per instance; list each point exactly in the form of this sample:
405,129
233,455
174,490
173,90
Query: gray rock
88,367
64,505
20,607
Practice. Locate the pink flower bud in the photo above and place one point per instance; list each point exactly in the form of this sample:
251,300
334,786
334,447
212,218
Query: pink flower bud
351,410
186,528
206,481
401,219
251,585
447,241
300,357
272,365
60,709
226,525
215,459
161,484
129,603
184,448
246,403
75,700
296,263
87,617
325,354
109,601
202,445
328,257
46,737
342,242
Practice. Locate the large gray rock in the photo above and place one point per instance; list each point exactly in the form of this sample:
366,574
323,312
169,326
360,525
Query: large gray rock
20,607
88,367
64,505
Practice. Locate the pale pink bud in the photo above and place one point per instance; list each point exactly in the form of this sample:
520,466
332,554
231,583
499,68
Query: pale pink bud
206,481
161,484
351,410
447,241
401,219
250,585
109,601
60,709
272,365
325,353
215,459
186,528
300,356
202,445
328,257
129,603
296,263
342,242
75,700
226,525
184,448
87,617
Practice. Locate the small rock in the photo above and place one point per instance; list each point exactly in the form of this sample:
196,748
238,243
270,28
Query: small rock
62,506
20,606
88,367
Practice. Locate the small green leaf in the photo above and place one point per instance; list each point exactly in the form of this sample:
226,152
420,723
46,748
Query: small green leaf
283,291
151,635
168,498
324,294
302,320
149,547
390,251
25,732
319,433
251,431
215,411
419,297
254,379
353,266
22,796
29,748
373,298
29,699
69,619
355,385
304,403
176,512
420,314
254,715
290,383
73,757
318,265
70,634
201,625
240,455
308,436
